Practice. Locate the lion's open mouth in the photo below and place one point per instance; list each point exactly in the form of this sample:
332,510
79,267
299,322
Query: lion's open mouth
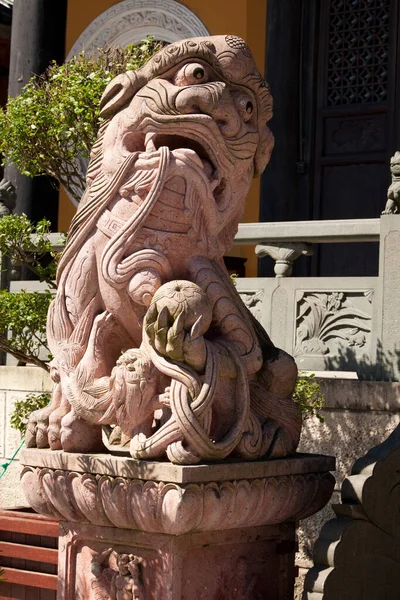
197,152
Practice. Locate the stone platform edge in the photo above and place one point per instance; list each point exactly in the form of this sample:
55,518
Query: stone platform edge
124,466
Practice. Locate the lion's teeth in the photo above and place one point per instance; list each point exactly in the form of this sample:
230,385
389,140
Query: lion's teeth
149,142
192,155
214,183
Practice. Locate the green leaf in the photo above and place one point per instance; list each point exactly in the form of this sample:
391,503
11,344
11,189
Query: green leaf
23,409
56,116
307,394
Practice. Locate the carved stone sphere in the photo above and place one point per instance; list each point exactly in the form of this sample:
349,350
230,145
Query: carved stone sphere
187,298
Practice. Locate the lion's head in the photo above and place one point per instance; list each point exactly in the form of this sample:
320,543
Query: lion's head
204,99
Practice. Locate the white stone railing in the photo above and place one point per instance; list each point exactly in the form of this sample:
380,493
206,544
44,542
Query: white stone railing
322,232
327,323
286,241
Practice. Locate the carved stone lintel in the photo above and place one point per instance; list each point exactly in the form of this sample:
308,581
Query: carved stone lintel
131,20
284,254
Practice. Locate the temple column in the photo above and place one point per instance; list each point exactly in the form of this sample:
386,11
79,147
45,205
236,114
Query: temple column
37,38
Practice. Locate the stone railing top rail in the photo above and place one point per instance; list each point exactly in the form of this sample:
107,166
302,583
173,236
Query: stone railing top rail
338,231
57,240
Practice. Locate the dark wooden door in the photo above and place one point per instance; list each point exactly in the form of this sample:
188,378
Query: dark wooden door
341,126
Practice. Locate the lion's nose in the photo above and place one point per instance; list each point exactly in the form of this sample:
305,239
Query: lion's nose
213,99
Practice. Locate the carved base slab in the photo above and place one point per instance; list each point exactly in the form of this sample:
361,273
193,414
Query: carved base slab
241,564
156,531
117,491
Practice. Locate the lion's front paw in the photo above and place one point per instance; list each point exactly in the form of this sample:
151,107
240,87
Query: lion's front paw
38,432
36,435
179,316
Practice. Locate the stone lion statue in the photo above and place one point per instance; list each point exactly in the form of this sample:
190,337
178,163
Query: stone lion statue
148,333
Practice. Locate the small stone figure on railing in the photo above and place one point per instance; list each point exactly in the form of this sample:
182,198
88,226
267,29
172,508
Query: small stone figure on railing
393,193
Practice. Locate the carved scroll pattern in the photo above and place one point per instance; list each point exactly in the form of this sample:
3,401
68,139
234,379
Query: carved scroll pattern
131,17
173,508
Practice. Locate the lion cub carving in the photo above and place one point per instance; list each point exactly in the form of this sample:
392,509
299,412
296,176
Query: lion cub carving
147,330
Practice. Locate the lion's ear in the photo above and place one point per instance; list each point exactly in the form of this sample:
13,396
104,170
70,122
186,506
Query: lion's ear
118,92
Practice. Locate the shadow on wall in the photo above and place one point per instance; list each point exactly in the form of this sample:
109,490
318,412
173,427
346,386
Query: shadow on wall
385,367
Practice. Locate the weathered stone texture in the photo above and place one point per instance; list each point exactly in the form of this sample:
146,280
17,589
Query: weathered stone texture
357,554
148,333
150,337
239,532
358,415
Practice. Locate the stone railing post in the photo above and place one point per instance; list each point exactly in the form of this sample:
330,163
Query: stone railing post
388,317
284,254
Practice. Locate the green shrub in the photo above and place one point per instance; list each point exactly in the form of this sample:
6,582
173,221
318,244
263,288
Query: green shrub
55,118
23,314
43,130
308,396
23,409
24,243
23,325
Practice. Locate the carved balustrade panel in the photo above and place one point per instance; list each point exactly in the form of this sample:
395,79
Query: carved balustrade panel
326,323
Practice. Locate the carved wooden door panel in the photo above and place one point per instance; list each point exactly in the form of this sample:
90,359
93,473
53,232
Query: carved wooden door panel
333,69
356,122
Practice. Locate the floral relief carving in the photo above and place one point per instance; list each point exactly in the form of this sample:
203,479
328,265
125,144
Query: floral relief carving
322,317
356,135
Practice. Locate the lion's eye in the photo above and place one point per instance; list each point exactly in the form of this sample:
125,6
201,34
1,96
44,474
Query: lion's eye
191,74
198,73
245,106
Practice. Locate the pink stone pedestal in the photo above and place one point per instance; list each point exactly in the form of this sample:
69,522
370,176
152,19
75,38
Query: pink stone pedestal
158,531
